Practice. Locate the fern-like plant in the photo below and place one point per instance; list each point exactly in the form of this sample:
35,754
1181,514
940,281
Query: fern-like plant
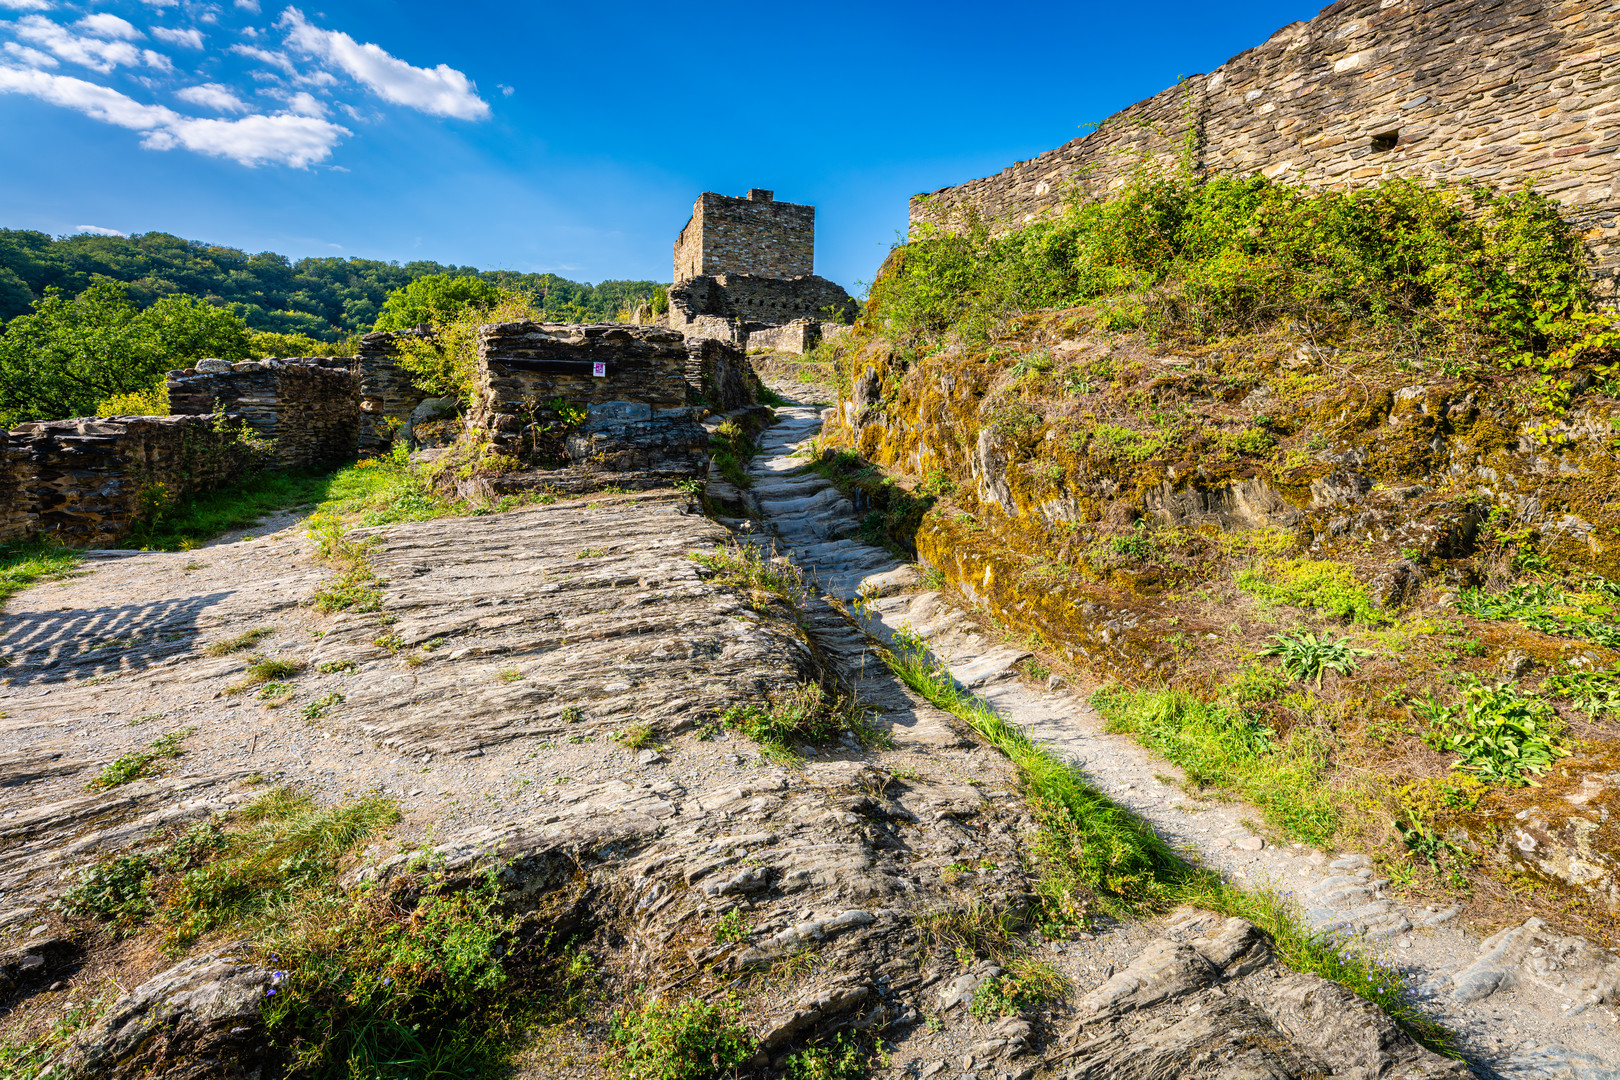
1307,656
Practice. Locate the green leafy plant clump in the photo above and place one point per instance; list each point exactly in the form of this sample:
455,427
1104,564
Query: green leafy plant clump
1318,584
678,1040
1305,656
806,713
139,764
1500,734
1025,984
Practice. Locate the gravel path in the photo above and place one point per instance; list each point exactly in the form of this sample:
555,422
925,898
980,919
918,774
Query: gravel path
1524,1002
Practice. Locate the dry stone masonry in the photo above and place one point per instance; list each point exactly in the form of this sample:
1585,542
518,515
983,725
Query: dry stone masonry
745,265
88,482
1501,92
306,406
387,395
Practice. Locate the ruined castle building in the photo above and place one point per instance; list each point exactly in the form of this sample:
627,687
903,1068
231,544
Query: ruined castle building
1501,92
747,266
752,235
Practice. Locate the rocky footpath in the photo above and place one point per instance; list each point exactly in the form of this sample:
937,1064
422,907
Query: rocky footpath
1524,1002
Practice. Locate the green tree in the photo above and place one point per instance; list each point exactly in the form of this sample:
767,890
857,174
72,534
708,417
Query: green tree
437,299
67,355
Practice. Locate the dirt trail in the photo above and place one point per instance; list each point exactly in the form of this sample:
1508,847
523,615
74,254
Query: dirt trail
1523,1002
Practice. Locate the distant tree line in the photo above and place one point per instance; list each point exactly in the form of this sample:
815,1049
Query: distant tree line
91,323
328,299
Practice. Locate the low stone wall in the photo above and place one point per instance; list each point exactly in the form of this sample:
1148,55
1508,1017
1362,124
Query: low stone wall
88,482
755,299
522,365
387,395
797,337
307,406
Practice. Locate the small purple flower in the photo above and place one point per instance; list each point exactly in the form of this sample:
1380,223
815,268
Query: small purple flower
269,991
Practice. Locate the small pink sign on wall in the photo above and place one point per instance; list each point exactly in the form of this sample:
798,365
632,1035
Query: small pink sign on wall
599,370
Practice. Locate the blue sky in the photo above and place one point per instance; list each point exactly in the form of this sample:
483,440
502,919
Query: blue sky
565,138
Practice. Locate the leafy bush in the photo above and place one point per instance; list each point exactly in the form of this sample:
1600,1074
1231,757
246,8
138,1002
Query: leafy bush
139,764
1306,655
66,356
1228,252
1502,735
152,401
1590,691
764,578
843,1060
1551,610
687,1040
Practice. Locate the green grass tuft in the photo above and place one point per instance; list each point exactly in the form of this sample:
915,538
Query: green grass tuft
23,564
140,764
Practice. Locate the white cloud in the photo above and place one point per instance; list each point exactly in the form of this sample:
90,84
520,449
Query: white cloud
213,96
188,38
161,3
26,5
31,57
306,105
108,26
265,56
439,91
98,230
282,139
248,5
506,91
94,53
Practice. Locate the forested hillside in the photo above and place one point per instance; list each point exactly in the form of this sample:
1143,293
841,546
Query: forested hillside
327,298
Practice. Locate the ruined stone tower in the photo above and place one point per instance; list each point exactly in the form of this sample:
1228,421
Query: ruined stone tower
746,266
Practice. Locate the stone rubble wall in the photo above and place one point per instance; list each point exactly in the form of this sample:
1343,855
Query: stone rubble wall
751,235
87,482
307,406
387,395
522,365
1501,92
708,306
798,336
718,374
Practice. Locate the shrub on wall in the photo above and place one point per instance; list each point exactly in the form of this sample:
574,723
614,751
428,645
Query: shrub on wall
1473,269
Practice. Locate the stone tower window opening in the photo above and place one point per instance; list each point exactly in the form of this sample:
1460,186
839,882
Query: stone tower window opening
1385,140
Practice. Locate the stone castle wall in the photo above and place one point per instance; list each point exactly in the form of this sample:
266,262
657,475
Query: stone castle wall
88,482
754,300
308,406
751,235
387,394
1501,92
522,365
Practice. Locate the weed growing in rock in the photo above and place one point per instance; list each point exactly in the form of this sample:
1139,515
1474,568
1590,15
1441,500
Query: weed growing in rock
731,447
686,1040
763,578
636,736
510,675
1024,985
139,764
1501,735
336,667
732,927
316,709
803,714
1305,655
843,1059
29,1058
240,643
22,564
262,670
116,891
356,586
